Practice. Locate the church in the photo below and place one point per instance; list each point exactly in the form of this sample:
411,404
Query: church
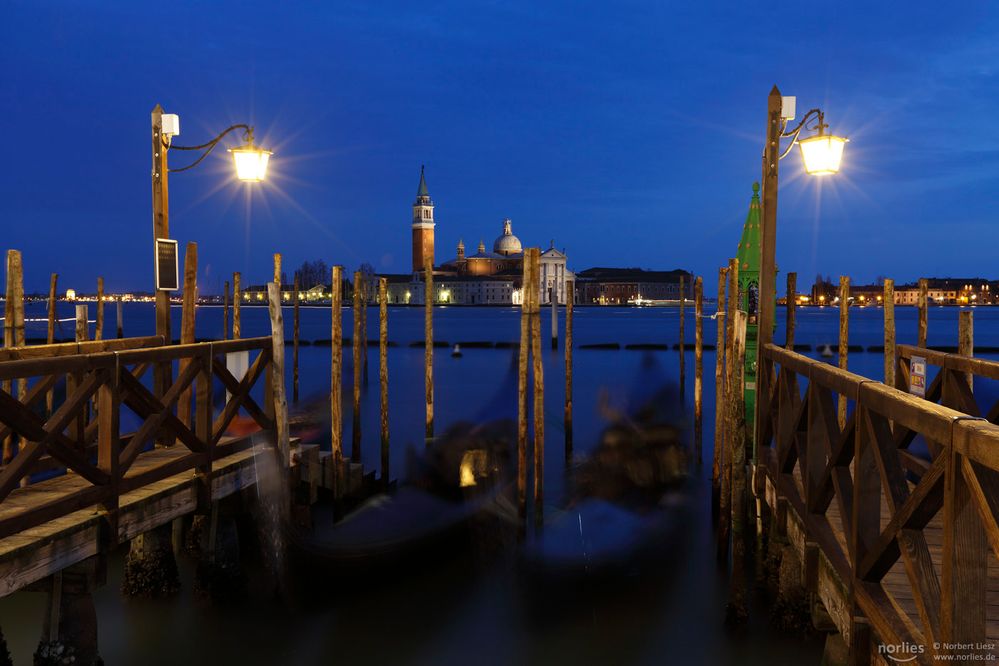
484,278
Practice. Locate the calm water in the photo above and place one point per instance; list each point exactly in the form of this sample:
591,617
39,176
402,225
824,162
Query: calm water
451,612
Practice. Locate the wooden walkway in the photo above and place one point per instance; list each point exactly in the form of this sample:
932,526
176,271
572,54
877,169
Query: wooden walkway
900,547
41,551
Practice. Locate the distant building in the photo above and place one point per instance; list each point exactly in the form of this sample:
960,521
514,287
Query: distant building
620,286
487,277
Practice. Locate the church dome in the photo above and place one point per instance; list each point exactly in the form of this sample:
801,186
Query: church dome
507,243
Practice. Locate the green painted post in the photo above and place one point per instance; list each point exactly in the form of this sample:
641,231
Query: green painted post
748,256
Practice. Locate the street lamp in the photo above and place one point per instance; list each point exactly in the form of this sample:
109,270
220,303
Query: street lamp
822,155
250,162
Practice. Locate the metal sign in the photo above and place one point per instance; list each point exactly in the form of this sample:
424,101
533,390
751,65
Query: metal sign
917,376
167,277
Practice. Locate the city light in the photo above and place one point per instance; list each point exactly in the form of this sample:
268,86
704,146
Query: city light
822,154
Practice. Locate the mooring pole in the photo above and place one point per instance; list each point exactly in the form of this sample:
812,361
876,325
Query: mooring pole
355,447
237,297
523,351
50,334
187,328
99,327
294,353
717,454
569,298
553,295
683,370
698,368
539,389
120,332
921,304
737,611
844,340
428,345
791,298
888,303
225,311
733,393
383,374
336,375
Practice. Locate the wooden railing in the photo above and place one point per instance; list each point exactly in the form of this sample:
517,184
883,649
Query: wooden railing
82,437
906,537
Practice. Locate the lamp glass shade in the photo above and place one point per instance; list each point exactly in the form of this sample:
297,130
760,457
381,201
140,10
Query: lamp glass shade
822,154
251,163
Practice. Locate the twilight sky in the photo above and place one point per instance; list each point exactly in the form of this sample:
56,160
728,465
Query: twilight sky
628,132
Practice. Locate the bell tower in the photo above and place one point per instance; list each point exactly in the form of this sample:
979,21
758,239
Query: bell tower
423,226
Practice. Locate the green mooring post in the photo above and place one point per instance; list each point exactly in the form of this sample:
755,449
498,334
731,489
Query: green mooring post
748,256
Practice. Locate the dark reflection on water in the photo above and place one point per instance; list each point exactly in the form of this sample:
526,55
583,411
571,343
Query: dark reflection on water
467,603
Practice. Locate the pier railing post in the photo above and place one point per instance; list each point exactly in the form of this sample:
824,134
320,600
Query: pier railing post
237,297
888,303
99,326
187,327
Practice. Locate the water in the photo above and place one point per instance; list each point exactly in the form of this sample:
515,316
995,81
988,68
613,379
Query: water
455,611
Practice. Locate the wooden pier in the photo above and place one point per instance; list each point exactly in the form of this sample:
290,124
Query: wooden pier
898,544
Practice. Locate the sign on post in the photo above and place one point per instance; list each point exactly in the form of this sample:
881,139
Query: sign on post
167,276
917,376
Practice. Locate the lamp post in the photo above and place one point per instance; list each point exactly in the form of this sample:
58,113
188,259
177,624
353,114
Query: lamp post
251,166
821,155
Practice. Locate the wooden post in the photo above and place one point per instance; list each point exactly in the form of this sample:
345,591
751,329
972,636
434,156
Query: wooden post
162,372
737,451
569,298
428,345
888,303
336,373
280,406
50,334
844,340
294,353
553,292
277,273
523,352
187,326
733,393
120,332
355,447
225,311
683,373
792,302
539,388
383,374
79,424
237,298
921,304
365,300
13,331
698,368
717,454
99,327
966,339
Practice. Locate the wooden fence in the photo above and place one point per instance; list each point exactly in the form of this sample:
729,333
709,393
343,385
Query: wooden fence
80,445
899,541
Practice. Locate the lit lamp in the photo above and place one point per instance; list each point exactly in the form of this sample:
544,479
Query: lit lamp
821,154
251,162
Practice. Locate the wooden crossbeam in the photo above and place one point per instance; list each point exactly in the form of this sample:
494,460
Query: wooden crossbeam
154,422
243,390
247,402
34,396
47,436
910,542
142,401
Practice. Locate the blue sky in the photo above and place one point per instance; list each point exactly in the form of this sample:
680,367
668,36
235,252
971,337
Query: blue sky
628,132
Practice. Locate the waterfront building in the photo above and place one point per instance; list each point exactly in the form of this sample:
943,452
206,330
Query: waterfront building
622,286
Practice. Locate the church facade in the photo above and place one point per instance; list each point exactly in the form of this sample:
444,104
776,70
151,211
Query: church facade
487,277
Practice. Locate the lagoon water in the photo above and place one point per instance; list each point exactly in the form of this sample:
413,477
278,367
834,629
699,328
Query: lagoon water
450,611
